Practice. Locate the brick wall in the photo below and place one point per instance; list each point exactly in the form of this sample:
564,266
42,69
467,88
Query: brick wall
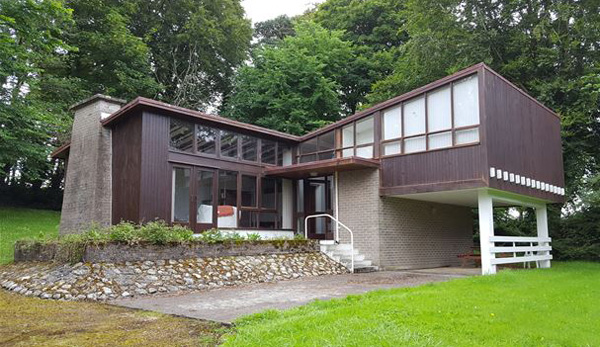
416,234
88,191
359,210
397,233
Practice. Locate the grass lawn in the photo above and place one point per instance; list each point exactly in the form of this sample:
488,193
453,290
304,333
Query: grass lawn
35,322
552,307
18,223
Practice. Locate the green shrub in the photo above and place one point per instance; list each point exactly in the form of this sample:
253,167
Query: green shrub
125,232
210,236
253,237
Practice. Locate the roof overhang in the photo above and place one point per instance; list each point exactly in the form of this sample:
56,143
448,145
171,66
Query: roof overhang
61,152
141,104
322,167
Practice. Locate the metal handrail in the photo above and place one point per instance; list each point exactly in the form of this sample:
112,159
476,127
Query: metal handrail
337,233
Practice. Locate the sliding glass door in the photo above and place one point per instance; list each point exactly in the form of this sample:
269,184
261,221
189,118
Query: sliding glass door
194,196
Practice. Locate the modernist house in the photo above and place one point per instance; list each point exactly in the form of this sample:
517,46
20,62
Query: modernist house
395,184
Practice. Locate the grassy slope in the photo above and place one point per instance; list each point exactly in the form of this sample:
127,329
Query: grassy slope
553,307
18,223
35,322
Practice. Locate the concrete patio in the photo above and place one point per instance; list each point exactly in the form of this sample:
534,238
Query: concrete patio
227,304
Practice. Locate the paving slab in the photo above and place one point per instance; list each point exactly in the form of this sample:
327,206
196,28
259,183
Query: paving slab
226,304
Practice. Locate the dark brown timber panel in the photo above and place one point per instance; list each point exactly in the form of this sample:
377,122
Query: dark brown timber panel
156,176
523,137
450,167
126,169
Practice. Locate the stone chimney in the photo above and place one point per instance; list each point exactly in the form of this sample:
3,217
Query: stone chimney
87,198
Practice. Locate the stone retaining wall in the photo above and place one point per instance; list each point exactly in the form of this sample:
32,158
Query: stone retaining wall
121,252
105,281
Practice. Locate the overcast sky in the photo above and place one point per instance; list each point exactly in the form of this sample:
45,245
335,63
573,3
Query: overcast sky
260,10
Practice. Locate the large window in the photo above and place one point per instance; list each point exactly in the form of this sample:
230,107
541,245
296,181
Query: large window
206,140
358,138
229,144
249,148
181,195
249,191
442,118
321,147
266,213
181,135
269,152
201,139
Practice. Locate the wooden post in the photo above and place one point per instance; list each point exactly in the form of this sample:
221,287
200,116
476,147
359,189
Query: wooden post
486,231
541,215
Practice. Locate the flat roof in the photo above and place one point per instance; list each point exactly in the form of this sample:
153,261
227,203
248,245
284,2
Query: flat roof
145,103
322,167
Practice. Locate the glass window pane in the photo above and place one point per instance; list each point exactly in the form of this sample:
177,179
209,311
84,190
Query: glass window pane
248,191
309,146
438,109
229,144
392,148
364,152
206,139
414,144
364,131
268,149
414,117
392,123
348,136
467,136
326,155
326,141
466,102
181,135
181,194
441,140
308,158
204,193
348,152
268,193
228,188
267,220
249,219
284,155
249,147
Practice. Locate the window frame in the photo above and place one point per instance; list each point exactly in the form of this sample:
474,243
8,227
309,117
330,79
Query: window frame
453,129
279,146
318,152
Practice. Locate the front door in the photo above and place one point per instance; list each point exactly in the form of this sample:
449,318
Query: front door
194,197
318,196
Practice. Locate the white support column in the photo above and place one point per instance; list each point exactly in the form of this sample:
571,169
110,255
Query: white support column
541,216
486,231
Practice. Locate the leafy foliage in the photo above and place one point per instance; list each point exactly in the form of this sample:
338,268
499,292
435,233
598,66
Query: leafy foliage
293,85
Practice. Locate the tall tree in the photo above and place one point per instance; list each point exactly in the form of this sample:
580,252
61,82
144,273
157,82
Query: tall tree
195,46
273,30
293,86
375,29
551,49
31,36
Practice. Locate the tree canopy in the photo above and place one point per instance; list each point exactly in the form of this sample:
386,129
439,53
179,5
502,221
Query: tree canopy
297,74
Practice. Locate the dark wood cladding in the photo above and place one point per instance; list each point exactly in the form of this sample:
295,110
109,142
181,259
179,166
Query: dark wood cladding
156,176
523,137
126,169
322,167
446,169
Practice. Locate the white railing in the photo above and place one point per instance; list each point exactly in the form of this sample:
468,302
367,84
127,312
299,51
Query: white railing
529,252
336,233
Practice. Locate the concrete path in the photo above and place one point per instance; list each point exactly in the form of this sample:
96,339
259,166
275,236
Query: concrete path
227,304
